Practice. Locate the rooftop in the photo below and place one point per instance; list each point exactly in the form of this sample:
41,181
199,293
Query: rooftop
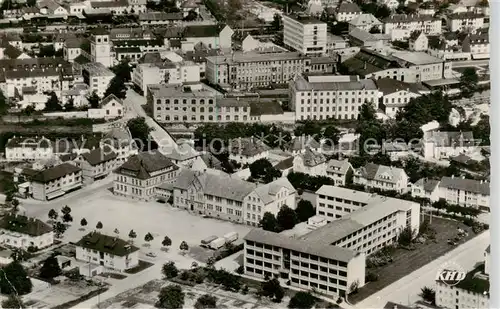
183,91
417,58
301,84
143,164
305,19
55,172
24,225
97,69
107,244
99,155
238,57
475,281
469,185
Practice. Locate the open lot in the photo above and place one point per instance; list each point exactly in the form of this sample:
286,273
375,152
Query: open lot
405,261
124,214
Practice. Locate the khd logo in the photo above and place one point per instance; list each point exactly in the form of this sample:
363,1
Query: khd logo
451,274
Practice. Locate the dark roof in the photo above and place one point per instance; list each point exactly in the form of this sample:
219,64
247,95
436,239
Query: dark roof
265,108
143,164
285,164
99,155
475,281
68,157
55,172
470,185
10,51
348,7
391,305
24,225
81,59
389,85
414,35
203,31
151,58
247,147
107,244
428,184
366,62
160,16
29,142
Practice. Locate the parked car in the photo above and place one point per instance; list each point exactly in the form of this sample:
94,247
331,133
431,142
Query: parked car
206,242
151,254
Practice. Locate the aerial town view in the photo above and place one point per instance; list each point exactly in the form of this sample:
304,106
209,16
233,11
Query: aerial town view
244,154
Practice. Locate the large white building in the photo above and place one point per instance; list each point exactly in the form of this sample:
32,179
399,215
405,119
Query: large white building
401,26
381,177
330,96
395,94
97,77
141,173
330,258
305,34
55,181
465,21
108,251
146,74
28,148
17,231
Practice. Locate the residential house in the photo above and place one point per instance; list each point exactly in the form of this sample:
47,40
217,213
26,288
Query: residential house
141,173
299,144
55,181
183,155
443,145
310,162
28,148
478,45
341,171
268,198
465,192
360,37
22,232
96,164
285,166
426,188
247,150
160,18
108,251
366,22
121,142
466,21
391,4
418,41
395,94
347,11
213,36
385,178
109,108
9,51
52,9
334,43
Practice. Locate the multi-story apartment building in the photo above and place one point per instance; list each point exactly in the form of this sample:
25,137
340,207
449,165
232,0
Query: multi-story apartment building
465,192
36,75
108,251
394,95
324,97
97,76
404,25
367,222
248,70
478,45
308,265
347,11
17,231
28,148
305,34
341,171
141,173
471,292
268,198
167,72
96,164
55,181
247,150
443,145
465,21
381,177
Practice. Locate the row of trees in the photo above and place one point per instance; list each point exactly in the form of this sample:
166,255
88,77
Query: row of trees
287,218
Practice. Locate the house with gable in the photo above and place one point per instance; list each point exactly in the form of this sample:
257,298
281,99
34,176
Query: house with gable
213,36
426,188
418,41
341,171
247,150
443,145
386,178
97,163
17,231
310,162
395,94
110,107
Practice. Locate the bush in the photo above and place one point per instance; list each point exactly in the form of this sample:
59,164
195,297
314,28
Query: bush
371,277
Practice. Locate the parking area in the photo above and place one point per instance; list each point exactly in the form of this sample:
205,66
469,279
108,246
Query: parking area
407,261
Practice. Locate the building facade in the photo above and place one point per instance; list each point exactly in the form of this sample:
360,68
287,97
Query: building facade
381,177
97,77
21,232
304,34
56,181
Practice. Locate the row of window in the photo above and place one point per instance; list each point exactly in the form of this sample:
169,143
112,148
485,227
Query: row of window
236,109
202,118
184,101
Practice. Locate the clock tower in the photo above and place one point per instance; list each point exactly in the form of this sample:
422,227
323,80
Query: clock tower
100,48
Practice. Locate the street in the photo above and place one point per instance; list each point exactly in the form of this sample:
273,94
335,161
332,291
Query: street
405,291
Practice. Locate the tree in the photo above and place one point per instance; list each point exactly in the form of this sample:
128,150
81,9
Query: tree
169,270
122,70
269,222
428,295
139,130
171,297
59,229
66,210
117,87
94,100
67,218
20,255
277,22
31,3
14,203
272,289
468,82
263,169
304,210
13,302
70,105
148,237
331,135
206,301
53,104
46,51
302,300
406,236
374,30
132,235
184,246
15,279
99,225
83,222
286,218
191,16
50,268
167,242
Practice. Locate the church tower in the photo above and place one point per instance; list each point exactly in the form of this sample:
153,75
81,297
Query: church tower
100,48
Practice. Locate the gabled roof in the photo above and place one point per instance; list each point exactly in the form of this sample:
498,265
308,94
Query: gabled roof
302,142
99,155
55,172
247,147
364,19
463,184
389,85
348,7
143,164
338,166
312,158
373,171
110,98
106,244
267,192
429,185
10,51
24,225
202,31
450,139
285,164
